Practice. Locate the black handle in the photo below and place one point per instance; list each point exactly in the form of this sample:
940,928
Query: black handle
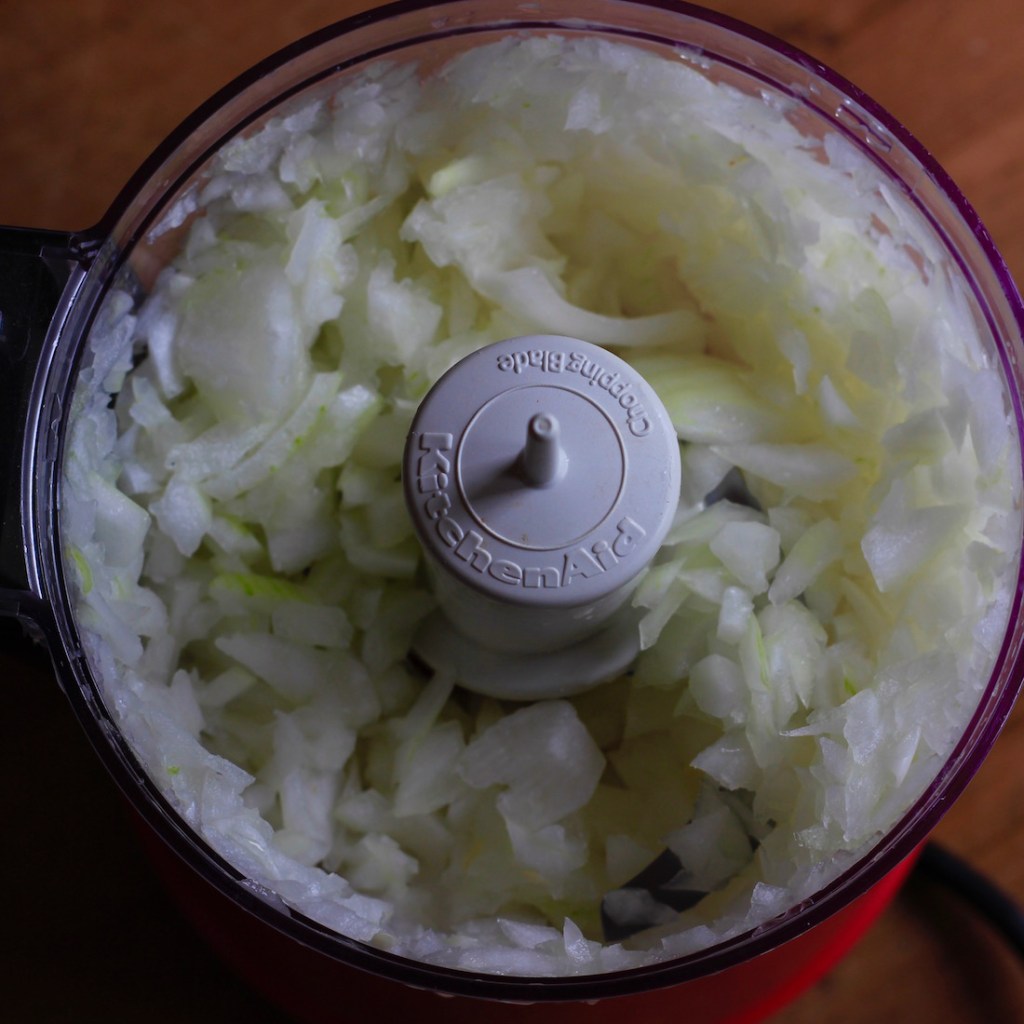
35,267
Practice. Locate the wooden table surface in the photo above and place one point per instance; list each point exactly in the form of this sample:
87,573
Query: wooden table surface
87,90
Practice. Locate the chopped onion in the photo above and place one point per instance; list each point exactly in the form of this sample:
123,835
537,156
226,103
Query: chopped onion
248,584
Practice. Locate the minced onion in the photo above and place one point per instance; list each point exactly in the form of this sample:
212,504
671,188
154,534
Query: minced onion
248,581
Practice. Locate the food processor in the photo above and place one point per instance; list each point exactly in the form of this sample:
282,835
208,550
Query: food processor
53,290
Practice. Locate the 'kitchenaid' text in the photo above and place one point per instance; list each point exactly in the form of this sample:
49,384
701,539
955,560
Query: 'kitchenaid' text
433,471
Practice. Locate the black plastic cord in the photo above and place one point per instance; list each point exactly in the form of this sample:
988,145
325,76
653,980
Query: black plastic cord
937,864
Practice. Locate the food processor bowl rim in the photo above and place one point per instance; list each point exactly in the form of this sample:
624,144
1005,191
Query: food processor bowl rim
899,843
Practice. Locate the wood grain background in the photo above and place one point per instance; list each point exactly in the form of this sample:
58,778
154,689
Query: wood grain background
87,90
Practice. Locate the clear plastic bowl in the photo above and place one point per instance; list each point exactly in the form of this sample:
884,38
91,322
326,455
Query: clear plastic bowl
308,968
